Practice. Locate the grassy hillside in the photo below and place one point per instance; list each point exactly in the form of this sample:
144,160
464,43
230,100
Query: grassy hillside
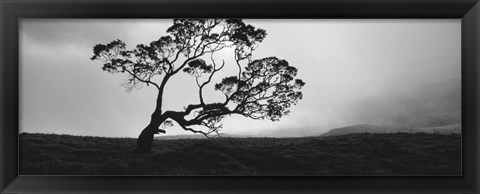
351,154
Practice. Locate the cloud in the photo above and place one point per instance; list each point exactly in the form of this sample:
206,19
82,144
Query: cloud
354,70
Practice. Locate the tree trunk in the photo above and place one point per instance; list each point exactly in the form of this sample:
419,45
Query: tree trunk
145,139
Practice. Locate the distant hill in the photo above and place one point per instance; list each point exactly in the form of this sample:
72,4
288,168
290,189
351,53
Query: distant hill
431,105
367,128
196,136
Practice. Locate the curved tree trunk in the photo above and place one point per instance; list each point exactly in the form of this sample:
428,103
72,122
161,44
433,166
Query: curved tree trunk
145,139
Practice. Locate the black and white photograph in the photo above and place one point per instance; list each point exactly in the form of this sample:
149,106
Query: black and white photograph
240,97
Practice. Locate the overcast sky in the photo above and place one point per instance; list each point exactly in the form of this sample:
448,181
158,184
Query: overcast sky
345,63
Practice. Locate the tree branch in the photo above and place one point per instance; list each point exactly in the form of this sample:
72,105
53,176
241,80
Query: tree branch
209,78
141,80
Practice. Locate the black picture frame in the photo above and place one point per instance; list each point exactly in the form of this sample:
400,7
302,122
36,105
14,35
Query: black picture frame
12,10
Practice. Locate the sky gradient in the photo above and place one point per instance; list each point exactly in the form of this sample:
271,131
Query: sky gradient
356,71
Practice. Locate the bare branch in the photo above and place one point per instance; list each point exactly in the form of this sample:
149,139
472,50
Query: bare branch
215,69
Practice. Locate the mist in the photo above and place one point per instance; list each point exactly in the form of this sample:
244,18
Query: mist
383,72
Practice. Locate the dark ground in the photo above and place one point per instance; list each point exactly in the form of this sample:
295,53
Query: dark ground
352,154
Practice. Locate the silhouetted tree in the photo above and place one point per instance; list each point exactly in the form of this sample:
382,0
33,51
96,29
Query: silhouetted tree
261,89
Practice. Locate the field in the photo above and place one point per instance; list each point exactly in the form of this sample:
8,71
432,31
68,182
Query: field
351,154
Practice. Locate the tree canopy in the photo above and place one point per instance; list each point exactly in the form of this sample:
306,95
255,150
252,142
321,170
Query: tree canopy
260,89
